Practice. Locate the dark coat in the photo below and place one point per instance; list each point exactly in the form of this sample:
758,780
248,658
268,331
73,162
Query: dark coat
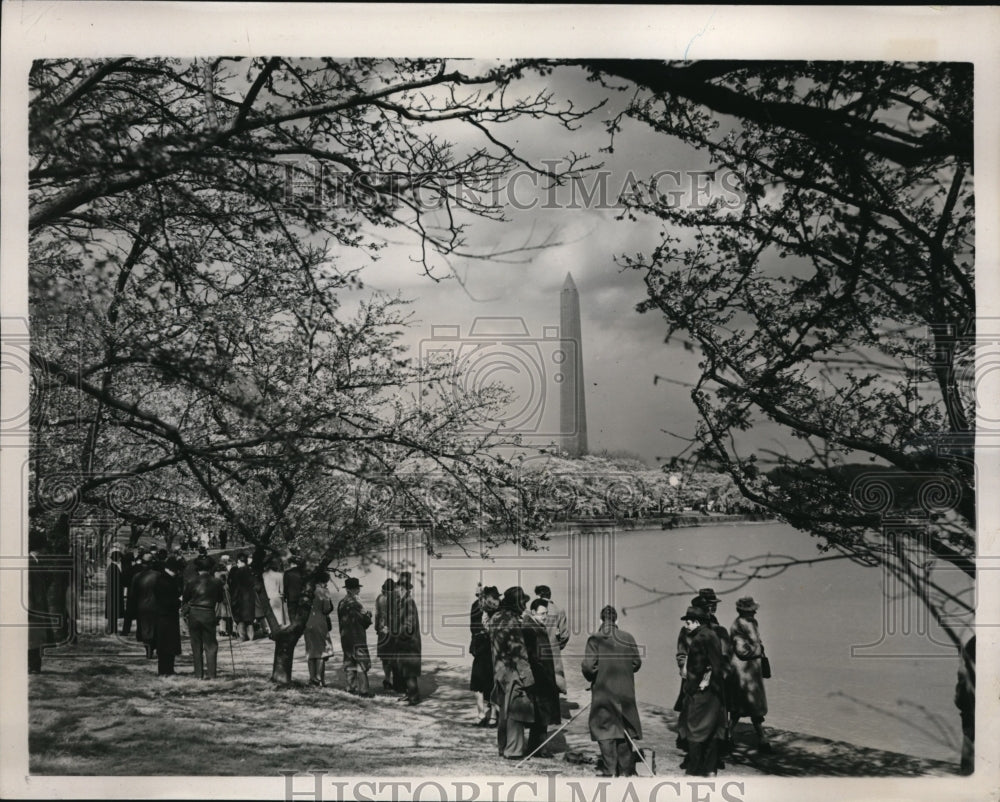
189,573
543,668
353,620
513,679
243,594
204,591
142,604
404,630
167,597
48,582
294,581
610,661
479,647
384,645
705,714
114,593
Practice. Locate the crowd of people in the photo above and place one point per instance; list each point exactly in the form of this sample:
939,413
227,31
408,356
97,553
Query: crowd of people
153,590
722,680
518,674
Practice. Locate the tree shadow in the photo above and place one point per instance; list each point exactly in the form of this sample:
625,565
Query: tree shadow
799,755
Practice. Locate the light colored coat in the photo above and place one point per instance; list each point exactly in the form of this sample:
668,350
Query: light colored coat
751,700
557,626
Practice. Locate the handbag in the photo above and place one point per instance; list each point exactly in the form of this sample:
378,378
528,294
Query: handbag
765,667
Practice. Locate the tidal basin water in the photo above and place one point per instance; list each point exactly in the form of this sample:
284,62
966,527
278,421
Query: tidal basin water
852,659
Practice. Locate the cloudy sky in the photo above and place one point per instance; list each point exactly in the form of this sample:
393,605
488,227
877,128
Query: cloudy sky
623,350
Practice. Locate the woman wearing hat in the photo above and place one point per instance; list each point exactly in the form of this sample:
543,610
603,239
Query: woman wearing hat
354,621
748,651
481,682
317,631
704,711
404,629
383,647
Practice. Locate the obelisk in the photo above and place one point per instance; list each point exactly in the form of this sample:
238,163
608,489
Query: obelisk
572,409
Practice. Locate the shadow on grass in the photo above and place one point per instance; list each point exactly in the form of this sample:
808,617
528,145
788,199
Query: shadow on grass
802,755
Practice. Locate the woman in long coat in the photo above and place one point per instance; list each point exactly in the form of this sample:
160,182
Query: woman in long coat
404,629
274,587
481,681
610,661
703,695
383,647
243,596
748,686
513,680
317,632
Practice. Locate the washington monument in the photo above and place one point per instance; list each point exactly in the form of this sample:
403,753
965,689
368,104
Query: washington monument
572,406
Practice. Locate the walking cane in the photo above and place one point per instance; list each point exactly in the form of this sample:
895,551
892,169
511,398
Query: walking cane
638,751
232,656
553,735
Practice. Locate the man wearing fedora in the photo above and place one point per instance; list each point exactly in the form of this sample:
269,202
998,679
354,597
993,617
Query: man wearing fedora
704,713
747,661
610,661
557,626
404,632
201,598
354,620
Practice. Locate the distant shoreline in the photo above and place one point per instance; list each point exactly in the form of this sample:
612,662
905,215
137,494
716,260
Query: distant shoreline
666,524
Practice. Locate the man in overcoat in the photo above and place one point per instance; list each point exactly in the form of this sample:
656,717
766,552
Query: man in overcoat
545,693
610,661
141,605
167,598
294,582
48,580
557,626
354,621
404,632
202,596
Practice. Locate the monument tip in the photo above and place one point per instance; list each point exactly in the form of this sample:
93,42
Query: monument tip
569,284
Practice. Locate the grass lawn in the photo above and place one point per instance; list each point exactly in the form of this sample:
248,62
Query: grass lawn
99,709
